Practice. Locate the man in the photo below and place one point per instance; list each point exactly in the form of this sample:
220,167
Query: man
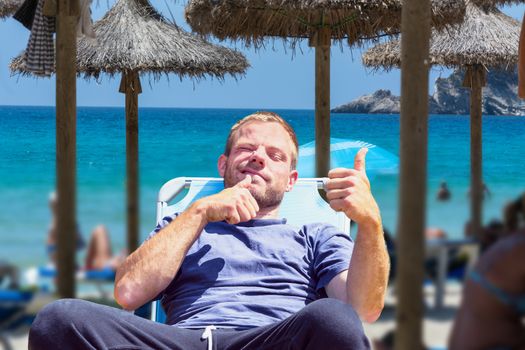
231,273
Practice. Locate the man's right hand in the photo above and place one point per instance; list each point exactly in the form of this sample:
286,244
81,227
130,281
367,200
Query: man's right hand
234,204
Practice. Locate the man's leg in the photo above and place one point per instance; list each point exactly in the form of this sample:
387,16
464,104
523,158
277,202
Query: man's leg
78,324
324,324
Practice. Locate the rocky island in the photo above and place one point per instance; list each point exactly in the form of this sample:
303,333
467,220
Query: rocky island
499,97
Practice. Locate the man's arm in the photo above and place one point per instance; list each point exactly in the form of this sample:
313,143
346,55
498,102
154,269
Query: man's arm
368,276
364,284
150,269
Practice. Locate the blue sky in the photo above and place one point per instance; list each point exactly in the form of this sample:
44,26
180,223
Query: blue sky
275,79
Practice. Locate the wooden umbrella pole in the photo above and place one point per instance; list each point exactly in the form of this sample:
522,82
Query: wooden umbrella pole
66,104
321,40
475,79
415,29
130,85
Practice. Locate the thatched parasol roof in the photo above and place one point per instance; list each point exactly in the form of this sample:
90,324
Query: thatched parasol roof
351,20
487,37
497,2
8,7
134,36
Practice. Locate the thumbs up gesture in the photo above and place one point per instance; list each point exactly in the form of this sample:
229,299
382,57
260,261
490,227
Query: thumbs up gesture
348,190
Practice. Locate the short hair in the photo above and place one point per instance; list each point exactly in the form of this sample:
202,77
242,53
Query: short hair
266,117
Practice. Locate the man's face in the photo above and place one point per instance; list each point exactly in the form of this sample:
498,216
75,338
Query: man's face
262,150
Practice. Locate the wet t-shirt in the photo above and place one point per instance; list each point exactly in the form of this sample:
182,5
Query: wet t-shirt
253,273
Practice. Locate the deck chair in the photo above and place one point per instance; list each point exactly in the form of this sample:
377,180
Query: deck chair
13,304
300,206
13,313
43,276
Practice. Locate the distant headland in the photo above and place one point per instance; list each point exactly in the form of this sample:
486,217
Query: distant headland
499,97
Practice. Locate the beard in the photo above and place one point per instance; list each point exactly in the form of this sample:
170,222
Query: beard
269,198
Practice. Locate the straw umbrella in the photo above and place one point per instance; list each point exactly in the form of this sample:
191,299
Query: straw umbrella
8,7
320,21
132,38
487,38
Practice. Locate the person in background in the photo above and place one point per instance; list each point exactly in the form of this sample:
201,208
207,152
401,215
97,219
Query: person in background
493,303
99,254
443,193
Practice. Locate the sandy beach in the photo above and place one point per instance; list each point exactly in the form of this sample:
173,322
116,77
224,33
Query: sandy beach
437,323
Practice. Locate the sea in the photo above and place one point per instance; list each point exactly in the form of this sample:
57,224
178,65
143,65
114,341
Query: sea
187,142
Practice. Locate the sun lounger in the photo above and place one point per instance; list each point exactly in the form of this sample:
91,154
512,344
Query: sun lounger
13,305
300,206
102,275
43,276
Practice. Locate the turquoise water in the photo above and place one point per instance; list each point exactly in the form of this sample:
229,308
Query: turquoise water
187,142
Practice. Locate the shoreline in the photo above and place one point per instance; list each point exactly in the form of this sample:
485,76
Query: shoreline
250,109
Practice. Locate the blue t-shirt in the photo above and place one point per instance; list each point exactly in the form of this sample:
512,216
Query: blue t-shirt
254,273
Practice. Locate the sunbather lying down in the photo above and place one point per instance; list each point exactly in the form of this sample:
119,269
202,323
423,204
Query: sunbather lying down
493,303
99,254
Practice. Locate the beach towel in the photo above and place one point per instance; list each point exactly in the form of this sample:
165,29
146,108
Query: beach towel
39,56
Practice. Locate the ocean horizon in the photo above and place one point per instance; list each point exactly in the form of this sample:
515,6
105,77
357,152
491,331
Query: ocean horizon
187,141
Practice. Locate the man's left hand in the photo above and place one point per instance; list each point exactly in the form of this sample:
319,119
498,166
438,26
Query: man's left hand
348,190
